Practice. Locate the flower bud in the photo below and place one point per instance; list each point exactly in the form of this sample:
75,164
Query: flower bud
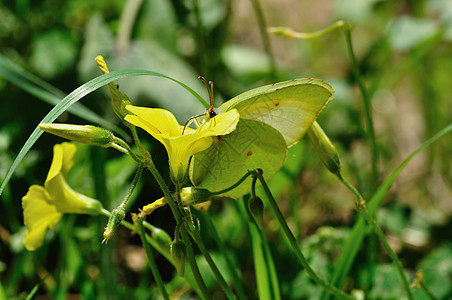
325,149
86,134
118,99
178,253
162,238
116,217
256,207
193,195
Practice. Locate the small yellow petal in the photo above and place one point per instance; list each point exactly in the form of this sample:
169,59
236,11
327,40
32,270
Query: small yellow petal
221,124
38,216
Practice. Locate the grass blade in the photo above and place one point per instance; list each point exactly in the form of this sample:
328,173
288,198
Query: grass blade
48,93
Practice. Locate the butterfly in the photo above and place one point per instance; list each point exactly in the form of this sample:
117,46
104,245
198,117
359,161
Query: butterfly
272,119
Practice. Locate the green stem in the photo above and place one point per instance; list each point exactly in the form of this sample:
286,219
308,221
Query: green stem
152,264
177,214
427,290
193,265
151,240
325,285
134,184
234,185
367,107
126,22
122,146
289,33
224,285
197,238
264,35
136,139
202,50
361,205
224,251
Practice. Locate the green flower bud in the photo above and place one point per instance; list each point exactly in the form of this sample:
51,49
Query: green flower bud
256,207
119,102
178,253
162,238
325,149
86,134
118,99
193,195
116,217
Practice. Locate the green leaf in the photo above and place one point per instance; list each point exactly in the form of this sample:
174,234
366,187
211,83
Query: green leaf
72,98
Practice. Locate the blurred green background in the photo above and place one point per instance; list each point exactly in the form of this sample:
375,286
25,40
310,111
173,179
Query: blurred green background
404,54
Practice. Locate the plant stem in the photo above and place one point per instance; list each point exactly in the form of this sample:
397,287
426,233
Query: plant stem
249,173
264,35
192,230
427,290
367,108
362,207
135,180
325,285
232,270
126,22
289,33
193,265
152,264
151,240
122,146
177,214
201,49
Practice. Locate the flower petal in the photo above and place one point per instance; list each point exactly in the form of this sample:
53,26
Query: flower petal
66,200
155,121
61,195
63,160
38,216
221,124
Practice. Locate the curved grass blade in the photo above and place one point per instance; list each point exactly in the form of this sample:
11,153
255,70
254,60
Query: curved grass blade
352,245
72,98
49,94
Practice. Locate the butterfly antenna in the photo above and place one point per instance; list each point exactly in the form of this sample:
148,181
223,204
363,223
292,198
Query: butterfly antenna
209,91
207,87
211,94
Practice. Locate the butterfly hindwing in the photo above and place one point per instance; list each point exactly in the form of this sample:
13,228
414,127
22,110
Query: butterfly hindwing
252,145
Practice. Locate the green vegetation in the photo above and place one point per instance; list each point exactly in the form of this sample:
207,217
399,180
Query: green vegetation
361,208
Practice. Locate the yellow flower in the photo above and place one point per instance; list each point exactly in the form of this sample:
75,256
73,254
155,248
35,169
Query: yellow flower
45,205
181,143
